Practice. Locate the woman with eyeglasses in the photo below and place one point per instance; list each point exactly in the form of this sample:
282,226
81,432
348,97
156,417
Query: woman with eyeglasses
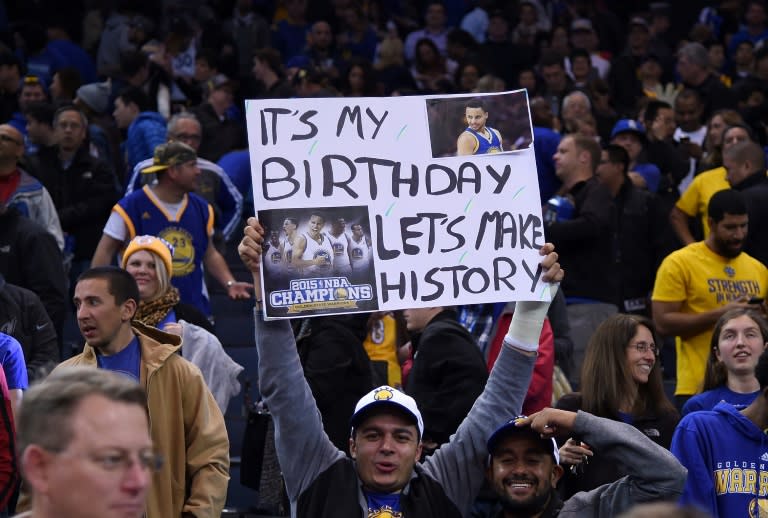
620,380
739,337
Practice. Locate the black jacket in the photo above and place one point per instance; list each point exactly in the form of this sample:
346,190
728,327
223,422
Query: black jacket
23,316
715,94
755,191
447,376
83,194
639,227
585,243
30,258
220,136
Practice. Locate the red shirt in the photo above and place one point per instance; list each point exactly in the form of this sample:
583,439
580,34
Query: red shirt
8,185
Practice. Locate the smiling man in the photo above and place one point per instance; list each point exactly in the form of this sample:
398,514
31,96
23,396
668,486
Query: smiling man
524,466
478,138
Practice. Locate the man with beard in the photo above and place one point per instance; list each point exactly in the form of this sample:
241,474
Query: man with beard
698,283
524,466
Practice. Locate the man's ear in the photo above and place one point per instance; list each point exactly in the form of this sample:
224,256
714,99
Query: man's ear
34,463
128,309
352,448
557,473
419,449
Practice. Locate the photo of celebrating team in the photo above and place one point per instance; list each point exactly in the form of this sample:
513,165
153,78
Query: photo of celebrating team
333,244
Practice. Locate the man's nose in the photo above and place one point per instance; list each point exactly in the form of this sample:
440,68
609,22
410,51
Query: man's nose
137,477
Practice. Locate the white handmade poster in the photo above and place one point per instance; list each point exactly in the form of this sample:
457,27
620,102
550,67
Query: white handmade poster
376,204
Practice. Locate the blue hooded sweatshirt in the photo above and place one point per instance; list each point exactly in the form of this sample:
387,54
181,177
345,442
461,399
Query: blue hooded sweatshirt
727,459
145,133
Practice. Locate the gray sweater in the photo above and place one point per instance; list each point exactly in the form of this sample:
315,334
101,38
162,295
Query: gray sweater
655,473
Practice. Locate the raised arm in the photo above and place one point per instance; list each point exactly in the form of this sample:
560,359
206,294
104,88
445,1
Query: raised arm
655,474
303,448
460,465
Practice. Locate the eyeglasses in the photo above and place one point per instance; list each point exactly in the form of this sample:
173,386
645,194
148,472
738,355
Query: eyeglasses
8,138
643,347
121,461
187,136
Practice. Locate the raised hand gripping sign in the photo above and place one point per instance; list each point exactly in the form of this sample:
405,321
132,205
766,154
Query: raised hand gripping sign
375,204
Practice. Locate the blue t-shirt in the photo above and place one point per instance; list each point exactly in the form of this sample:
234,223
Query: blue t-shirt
707,400
12,360
126,362
383,505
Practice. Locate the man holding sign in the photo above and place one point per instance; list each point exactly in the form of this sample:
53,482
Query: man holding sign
383,477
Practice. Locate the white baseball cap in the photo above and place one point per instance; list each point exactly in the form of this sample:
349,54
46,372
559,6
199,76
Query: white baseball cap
386,395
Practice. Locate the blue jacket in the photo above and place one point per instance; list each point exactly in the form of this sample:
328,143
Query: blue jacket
12,361
145,133
727,457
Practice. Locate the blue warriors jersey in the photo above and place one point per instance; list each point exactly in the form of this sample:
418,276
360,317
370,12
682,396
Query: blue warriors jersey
188,232
482,144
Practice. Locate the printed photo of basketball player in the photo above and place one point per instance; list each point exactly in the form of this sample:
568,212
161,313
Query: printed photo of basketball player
359,250
290,229
478,138
478,125
274,261
313,265
312,250
342,264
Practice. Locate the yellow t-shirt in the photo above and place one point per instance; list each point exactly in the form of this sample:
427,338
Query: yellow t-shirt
381,345
696,197
703,280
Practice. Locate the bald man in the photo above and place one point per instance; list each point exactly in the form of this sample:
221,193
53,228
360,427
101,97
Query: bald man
744,164
20,190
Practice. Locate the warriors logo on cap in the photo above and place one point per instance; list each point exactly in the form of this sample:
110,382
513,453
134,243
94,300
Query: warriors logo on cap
382,394
170,154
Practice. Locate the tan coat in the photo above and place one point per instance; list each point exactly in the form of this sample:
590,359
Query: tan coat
186,426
